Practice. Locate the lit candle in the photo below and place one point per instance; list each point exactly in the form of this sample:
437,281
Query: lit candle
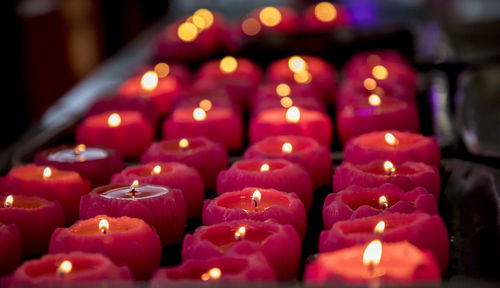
324,16
271,20
379,228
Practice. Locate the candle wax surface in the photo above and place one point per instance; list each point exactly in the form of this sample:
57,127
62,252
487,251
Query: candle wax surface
245,201
141,192
69,155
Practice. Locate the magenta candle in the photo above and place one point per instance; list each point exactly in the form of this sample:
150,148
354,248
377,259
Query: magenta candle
425,231
400,263
177,70
407,175
305,151
93,163
70,269
206,156
291,121
278,174
145,106
169,174
35,218
161,207
50,183
324,16
395,146
124,240
231,69
280,244
271,20
128,132
252,268
357,202
10,248
259,205
362,116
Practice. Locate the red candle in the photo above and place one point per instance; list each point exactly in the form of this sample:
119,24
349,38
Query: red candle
177,70
169,174
257,204
161,207
291,121
395,146
377,113
50,183
93,163
270,20
357,202
280,244
407,175
145,106
219,124
72,269
229,269
35,218
129,132
231,69
124,240
204,155
305,151
278,174
425,231
10,248
398,263
324,16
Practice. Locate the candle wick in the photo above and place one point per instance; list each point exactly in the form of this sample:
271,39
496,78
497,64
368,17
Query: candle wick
384,205
255,203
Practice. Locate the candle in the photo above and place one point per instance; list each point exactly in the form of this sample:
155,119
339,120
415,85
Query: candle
425,231
169,174
124,240
112,104
278,174
72,269
305,151
216,271
324,16
377,113
177,70
398,263
395,146
356,202
257,204
206,156
407,175
291,121
280,244
35,218
93,163
127,131
10,248
231,69
270,20
161,207
50,183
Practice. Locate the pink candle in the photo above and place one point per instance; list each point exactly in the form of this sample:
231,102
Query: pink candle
10,248
425,231
145,106
170,174
35,218
204,155
259,205
278,174
280,244
357,202
124,240
291,121
271,20
92,163
305,151
129,132
161,207
395,146
407,175
324,16
217,271
362,116
50,183
72,269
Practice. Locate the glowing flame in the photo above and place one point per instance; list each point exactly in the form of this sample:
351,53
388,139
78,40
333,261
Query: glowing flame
292,114
264,167
372,254
104,226
183,143
374,100
204,18
228,64
162,69
286,102
156,170
199,114
256,196
9,201
80,148
379,228
250,27
64,268
383,202
297,64
205,104
390,139
325,12
302,77
187,32
134,184
47,173
283,89
389,167
240,233
287,147
114,120
212,274
270,16
149,81
379,72
369,84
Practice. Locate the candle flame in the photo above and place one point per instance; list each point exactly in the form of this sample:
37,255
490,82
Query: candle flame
47,173
187,32
287,147
199,114
212,274
9,201
149,81
162,69
183,143
256,196
104,226
283,90
383,202
325,12
134,184
80,148
389,168
264,167
205,104
64,268
302,77
114,120
297,64
270,16
228,64
206,16
156,170
379,72
292,114
379,228
374,100
250,26
369,84
240,233
286,102
372,254
391,139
